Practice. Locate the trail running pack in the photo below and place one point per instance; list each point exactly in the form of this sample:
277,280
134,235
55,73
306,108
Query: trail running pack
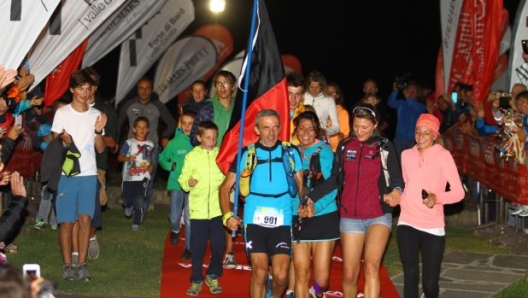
313,175
251,163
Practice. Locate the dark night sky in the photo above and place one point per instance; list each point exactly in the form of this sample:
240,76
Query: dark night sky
348,41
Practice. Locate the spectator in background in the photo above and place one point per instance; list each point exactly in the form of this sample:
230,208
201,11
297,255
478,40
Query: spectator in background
219,108
335,92
323,104
295,100
15,214
447,109
408,109
197,99
370,96
110,139
147,104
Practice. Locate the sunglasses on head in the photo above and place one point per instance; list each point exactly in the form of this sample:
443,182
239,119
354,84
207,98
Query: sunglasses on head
363,111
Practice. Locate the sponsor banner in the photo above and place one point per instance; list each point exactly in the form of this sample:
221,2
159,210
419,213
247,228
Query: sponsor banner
476,48
57,82
21,19
148,43
71,23
449,17
187,60
222,39
118,27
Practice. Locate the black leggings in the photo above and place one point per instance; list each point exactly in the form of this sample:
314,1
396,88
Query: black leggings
411,241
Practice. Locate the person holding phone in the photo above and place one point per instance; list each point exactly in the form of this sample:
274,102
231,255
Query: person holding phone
421,226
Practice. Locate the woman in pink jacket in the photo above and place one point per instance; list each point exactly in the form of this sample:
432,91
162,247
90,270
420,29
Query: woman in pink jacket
427,169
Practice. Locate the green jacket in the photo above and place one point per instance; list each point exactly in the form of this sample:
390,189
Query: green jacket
204,200
174,153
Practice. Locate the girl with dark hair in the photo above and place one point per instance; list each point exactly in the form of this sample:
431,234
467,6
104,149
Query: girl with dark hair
316,222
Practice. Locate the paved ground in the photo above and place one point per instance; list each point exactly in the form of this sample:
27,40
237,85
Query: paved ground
472,275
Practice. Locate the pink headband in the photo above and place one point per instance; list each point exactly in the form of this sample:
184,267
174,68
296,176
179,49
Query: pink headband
430,122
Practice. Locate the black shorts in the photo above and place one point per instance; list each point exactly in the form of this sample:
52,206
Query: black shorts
271,241
318,228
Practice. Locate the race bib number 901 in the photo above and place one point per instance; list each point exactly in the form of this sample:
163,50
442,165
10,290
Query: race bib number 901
268,217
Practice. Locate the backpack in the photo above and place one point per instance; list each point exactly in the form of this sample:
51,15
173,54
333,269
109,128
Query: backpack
251,163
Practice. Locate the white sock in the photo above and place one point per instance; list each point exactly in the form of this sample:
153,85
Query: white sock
75,253
93,238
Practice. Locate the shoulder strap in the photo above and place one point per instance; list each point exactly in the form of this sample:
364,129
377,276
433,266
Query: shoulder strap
314,167
384,155
251,158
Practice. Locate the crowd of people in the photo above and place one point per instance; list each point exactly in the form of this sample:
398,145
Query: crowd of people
338,178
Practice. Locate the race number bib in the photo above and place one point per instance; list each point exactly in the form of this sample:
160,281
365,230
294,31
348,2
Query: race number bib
268,217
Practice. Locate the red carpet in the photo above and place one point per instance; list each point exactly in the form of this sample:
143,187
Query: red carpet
175,274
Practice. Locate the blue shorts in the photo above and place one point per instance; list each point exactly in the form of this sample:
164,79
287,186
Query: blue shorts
75,195
355,225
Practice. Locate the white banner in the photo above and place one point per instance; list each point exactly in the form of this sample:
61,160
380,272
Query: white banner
70,25
186,61
20,24
449,16
141,50
118,27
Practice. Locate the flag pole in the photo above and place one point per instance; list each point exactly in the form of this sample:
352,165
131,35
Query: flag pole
246,76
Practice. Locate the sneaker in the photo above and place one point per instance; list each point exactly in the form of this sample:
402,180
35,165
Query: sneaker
229,261
135,228
83,273
174,238
186,255
517,210
213,284
523,213
75,260
67,272
93,249
38,225
290,295
129,211
195,288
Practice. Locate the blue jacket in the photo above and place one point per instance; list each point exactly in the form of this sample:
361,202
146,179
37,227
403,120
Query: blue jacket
408,111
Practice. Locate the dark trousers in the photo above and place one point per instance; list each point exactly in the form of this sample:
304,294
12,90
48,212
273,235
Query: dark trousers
203,230
411,242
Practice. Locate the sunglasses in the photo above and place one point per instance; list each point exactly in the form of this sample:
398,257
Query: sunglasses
363,111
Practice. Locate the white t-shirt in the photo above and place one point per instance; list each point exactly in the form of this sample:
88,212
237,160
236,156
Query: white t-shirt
81,126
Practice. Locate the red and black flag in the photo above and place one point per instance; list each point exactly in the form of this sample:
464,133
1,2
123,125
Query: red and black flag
265,88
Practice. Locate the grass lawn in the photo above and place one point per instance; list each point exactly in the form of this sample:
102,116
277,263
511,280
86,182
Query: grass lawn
130,262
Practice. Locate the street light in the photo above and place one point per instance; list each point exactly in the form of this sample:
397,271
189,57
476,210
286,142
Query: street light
217,6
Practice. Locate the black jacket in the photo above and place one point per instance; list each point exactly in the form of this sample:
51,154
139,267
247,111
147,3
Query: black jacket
12,219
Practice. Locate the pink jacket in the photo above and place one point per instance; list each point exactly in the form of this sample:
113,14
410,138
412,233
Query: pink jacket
430,170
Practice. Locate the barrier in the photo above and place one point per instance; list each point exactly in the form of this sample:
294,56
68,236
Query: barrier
478,157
